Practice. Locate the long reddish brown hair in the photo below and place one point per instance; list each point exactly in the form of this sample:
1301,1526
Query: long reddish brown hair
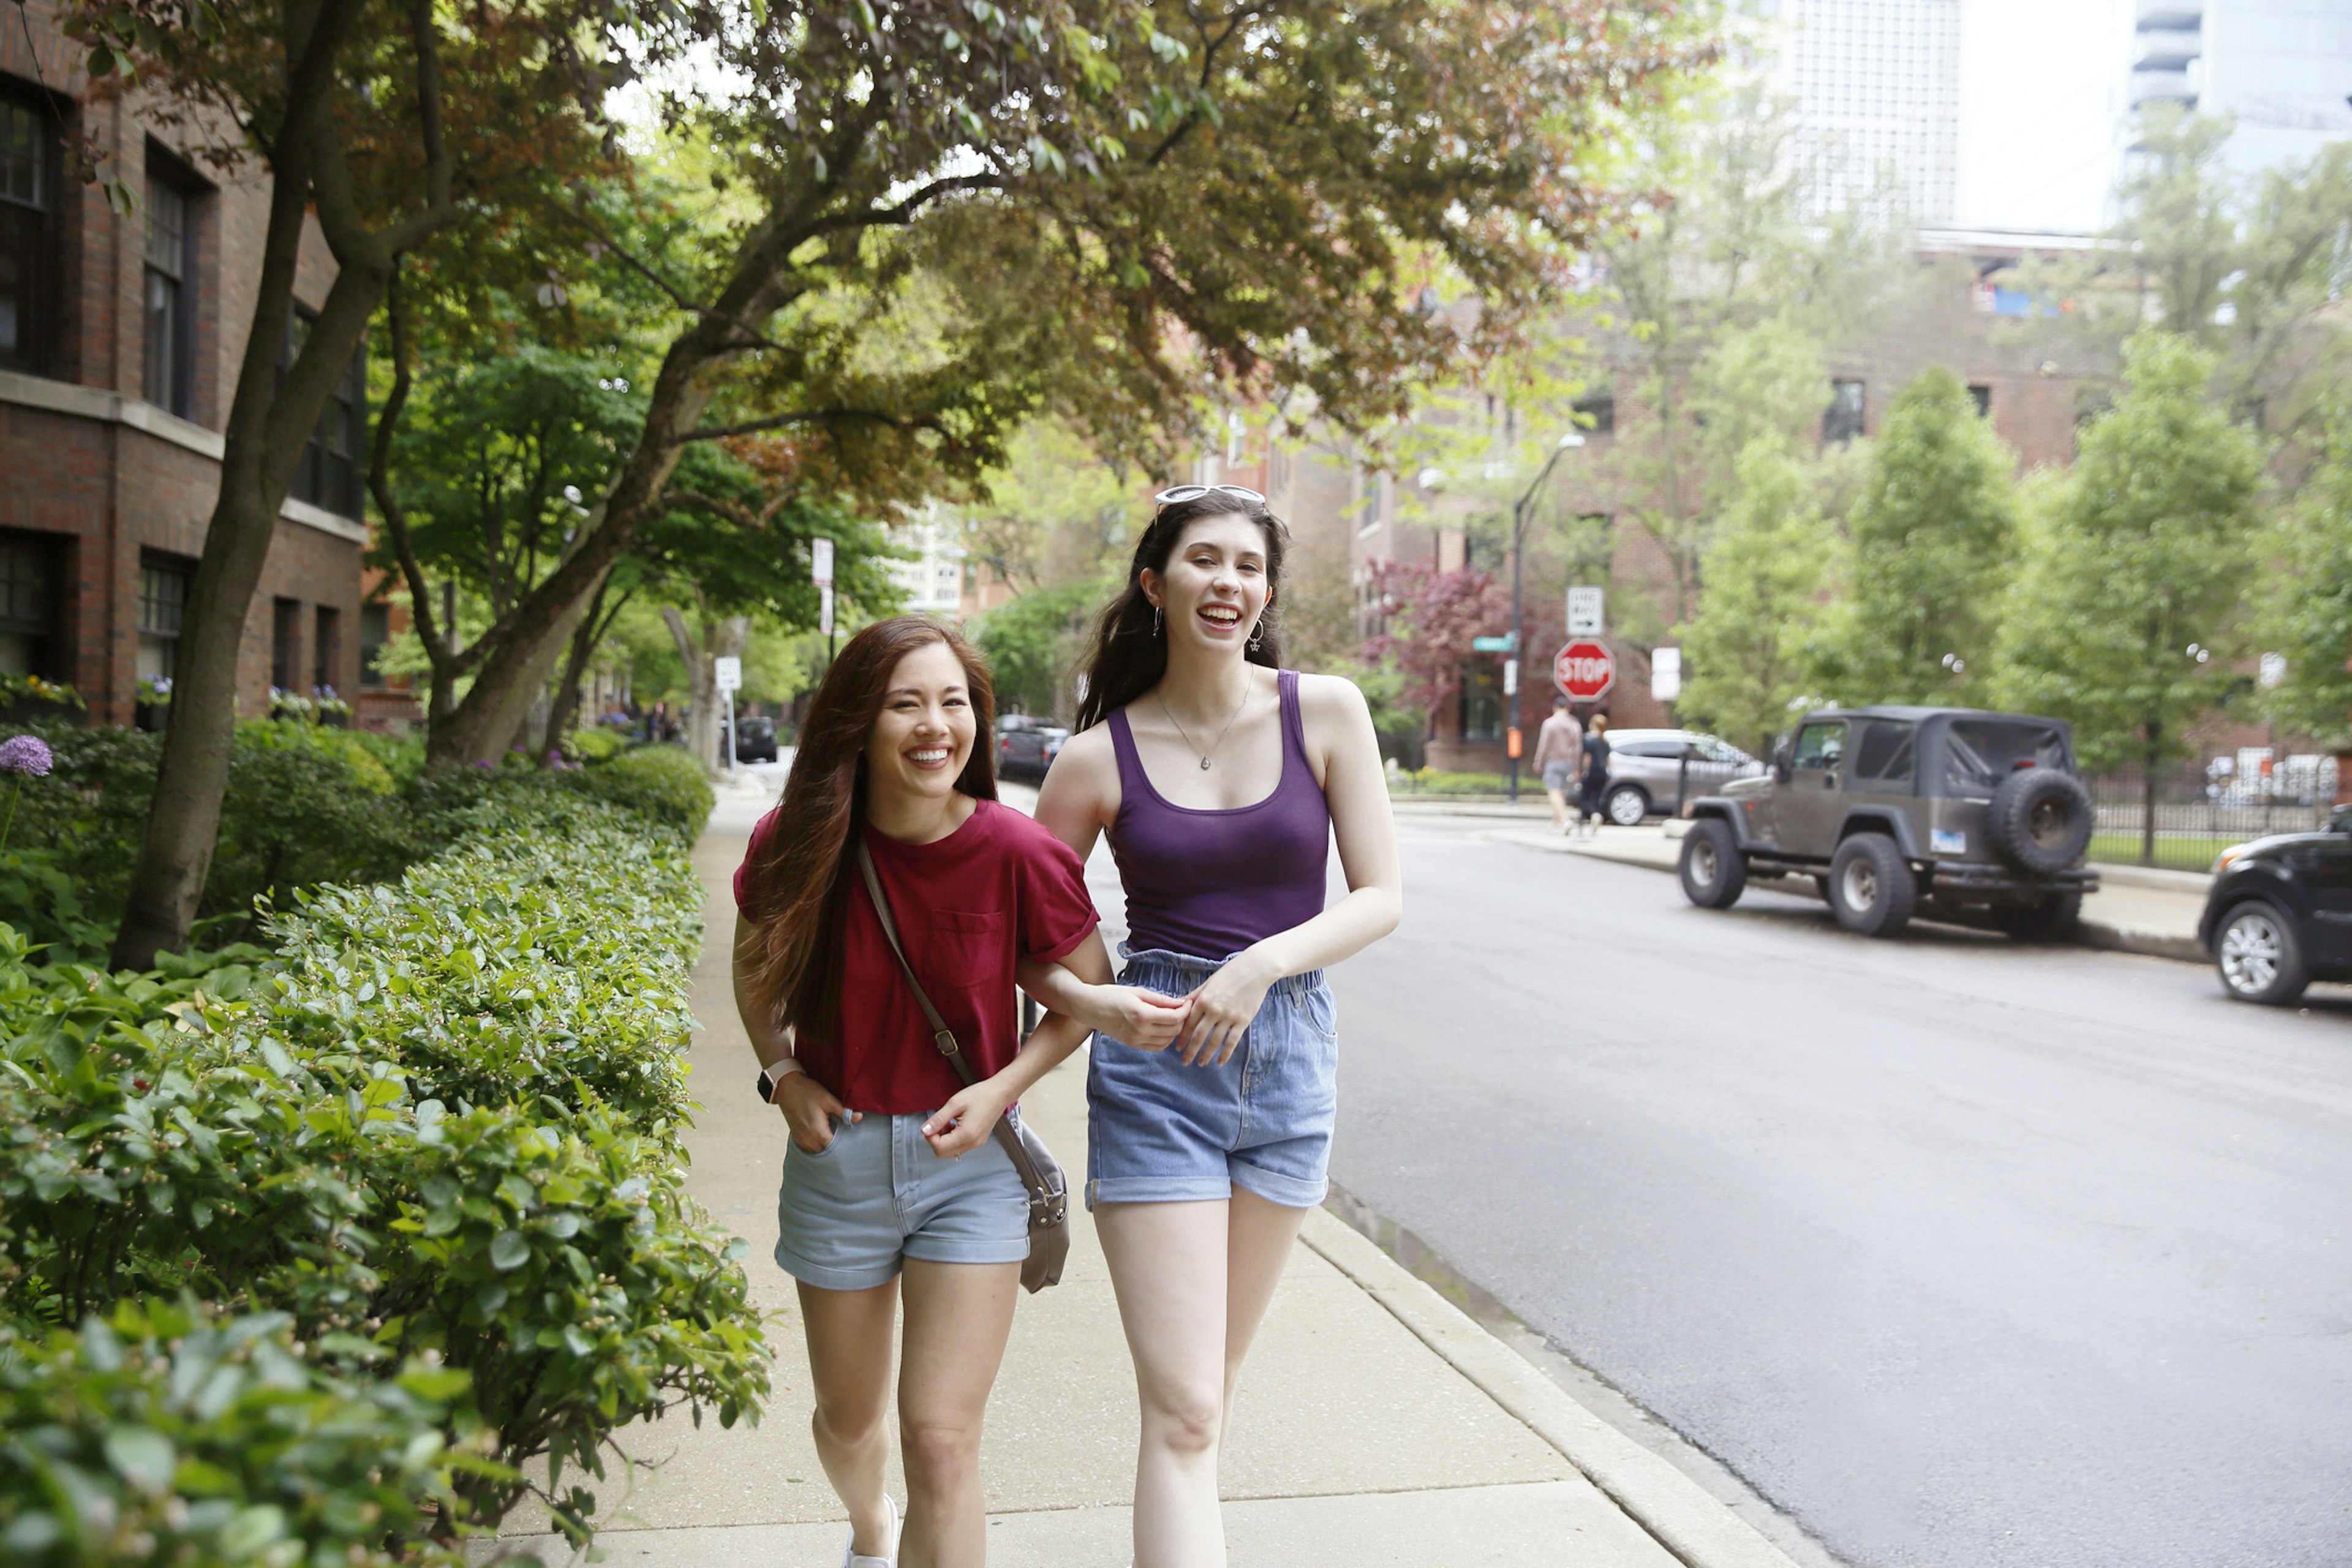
800,883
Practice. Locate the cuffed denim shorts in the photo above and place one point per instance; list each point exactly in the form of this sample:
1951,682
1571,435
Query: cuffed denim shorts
850,1214
1561,777
1159,1132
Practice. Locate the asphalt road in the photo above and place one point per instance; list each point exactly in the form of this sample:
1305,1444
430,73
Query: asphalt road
1962,1254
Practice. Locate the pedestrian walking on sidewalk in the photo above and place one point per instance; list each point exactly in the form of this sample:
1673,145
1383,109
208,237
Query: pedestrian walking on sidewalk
1596,774
894,1190
1559,756
1221,779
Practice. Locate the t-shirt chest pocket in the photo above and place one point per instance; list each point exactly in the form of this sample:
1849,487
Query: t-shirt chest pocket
964,948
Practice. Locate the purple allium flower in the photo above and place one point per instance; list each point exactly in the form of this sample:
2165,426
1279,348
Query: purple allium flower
26,754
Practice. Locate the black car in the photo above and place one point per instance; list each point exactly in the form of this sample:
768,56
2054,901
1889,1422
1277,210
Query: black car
2280,914
1026,745
755,739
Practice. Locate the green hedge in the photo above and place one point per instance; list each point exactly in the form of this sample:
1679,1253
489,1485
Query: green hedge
663,782
433,1138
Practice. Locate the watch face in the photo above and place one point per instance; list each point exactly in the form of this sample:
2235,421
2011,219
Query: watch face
767,1088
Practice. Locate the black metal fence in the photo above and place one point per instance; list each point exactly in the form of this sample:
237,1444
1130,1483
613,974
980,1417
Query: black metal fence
2200,809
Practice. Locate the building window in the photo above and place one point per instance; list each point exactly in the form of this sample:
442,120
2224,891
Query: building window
328,474
286,644
1982,396
376,630
1843,420
163,603
24,600
171,273
1482,700
326,648
29,200
1602,409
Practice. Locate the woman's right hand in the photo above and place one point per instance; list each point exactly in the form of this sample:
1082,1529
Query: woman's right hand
1132,1015
809,1109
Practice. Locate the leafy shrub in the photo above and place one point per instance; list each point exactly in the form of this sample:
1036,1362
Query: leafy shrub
596,744
663,782
162,1435
523,966
1433,781
250,1131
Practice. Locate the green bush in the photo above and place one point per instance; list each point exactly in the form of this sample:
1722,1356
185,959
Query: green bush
251,1132
597,744
1432,780
161,1435
659,782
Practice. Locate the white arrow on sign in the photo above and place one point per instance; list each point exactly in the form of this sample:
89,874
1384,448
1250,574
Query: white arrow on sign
1584,612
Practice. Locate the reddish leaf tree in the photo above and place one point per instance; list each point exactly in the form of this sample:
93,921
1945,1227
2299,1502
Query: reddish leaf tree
1431,615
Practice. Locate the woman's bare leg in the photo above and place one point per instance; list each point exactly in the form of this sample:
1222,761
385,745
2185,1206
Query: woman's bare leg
959,1316
1259,1236
1168,1266
850,1335
1193,1280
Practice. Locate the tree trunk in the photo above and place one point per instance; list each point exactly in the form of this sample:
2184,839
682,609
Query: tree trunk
268,423
563,705
719,638
2148,796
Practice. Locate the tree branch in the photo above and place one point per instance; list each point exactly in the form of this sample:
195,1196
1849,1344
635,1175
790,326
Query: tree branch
809,415
905,212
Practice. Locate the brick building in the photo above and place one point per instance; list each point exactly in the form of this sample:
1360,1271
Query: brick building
120,341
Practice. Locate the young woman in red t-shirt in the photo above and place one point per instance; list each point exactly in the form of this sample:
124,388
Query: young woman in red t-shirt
892,1172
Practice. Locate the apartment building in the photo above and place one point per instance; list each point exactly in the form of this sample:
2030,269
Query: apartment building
120,337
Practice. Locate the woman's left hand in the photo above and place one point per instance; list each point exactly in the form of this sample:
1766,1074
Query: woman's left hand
963,1123
1222,1010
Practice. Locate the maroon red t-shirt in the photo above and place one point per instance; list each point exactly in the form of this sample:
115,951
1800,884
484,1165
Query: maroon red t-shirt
969,907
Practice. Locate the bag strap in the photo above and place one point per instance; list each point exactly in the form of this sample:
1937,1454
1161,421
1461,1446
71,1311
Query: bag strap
941,1035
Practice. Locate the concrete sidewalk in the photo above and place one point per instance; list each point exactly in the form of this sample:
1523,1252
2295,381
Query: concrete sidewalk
1377,1424
2136,909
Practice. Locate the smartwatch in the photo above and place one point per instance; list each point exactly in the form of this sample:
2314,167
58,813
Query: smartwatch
770,1076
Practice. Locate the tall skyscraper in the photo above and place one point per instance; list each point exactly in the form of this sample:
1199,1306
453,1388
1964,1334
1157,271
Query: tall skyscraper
1877,86
2280,68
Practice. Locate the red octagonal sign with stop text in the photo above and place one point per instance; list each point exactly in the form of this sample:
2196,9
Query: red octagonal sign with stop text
1584,669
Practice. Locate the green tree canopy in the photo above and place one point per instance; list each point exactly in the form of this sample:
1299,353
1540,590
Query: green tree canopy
1769,573
1933,541
2309,615
2140,556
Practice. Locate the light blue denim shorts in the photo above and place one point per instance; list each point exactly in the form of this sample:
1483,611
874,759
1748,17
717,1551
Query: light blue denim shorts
849,1217
1159,1132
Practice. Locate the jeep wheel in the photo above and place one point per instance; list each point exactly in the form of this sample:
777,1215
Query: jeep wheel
1714,871
1627,806
2259,956
2051,920
1872,889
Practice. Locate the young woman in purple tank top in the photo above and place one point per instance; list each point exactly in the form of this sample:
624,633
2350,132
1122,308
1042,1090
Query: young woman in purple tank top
1221,779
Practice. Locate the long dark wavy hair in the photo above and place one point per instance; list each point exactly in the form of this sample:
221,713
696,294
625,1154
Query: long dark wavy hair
799,890
1131,655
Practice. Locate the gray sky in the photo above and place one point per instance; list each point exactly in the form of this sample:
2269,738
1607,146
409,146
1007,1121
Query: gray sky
2042,90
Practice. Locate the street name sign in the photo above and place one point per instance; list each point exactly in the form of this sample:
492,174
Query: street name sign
1584,669
1491,644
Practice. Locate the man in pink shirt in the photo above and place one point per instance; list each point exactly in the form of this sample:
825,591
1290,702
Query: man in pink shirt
1559,756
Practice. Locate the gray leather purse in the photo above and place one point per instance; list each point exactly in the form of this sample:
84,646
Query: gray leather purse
1049,1189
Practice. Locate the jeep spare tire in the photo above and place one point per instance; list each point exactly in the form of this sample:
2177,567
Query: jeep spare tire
2040,820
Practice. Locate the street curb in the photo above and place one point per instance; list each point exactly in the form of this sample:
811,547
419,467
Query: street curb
1678,1513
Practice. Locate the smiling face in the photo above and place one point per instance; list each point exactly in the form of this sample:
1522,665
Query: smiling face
1215,586
923,735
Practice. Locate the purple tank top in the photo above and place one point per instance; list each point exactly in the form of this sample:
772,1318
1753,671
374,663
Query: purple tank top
1210,883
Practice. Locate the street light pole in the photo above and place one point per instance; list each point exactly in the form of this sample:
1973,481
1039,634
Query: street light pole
1520,510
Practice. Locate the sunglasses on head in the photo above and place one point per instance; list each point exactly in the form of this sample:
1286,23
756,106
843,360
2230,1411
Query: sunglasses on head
1171,496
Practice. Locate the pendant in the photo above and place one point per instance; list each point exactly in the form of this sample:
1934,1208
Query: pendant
1205,764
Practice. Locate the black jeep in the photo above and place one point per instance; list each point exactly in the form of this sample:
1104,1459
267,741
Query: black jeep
1946,812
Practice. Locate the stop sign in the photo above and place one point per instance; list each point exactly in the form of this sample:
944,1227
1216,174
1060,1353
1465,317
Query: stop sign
1583,670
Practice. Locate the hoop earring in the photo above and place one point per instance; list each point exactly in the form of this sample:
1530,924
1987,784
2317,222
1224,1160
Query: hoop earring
1257,634
1155,620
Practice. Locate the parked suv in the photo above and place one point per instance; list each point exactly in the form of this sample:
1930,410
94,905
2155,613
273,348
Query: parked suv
2280,913
1026,746
1654,772
755,739
1943,811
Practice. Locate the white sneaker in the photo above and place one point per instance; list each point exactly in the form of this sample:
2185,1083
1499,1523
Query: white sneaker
850,1556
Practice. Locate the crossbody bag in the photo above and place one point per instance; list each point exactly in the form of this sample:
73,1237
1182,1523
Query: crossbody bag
1049,1189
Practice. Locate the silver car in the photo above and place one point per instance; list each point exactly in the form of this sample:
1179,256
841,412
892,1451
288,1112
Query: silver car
1652,771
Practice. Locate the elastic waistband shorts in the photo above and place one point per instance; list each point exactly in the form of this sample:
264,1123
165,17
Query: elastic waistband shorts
1159,1132
849,1217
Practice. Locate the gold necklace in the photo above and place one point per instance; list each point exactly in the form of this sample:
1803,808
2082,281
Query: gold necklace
1189,742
